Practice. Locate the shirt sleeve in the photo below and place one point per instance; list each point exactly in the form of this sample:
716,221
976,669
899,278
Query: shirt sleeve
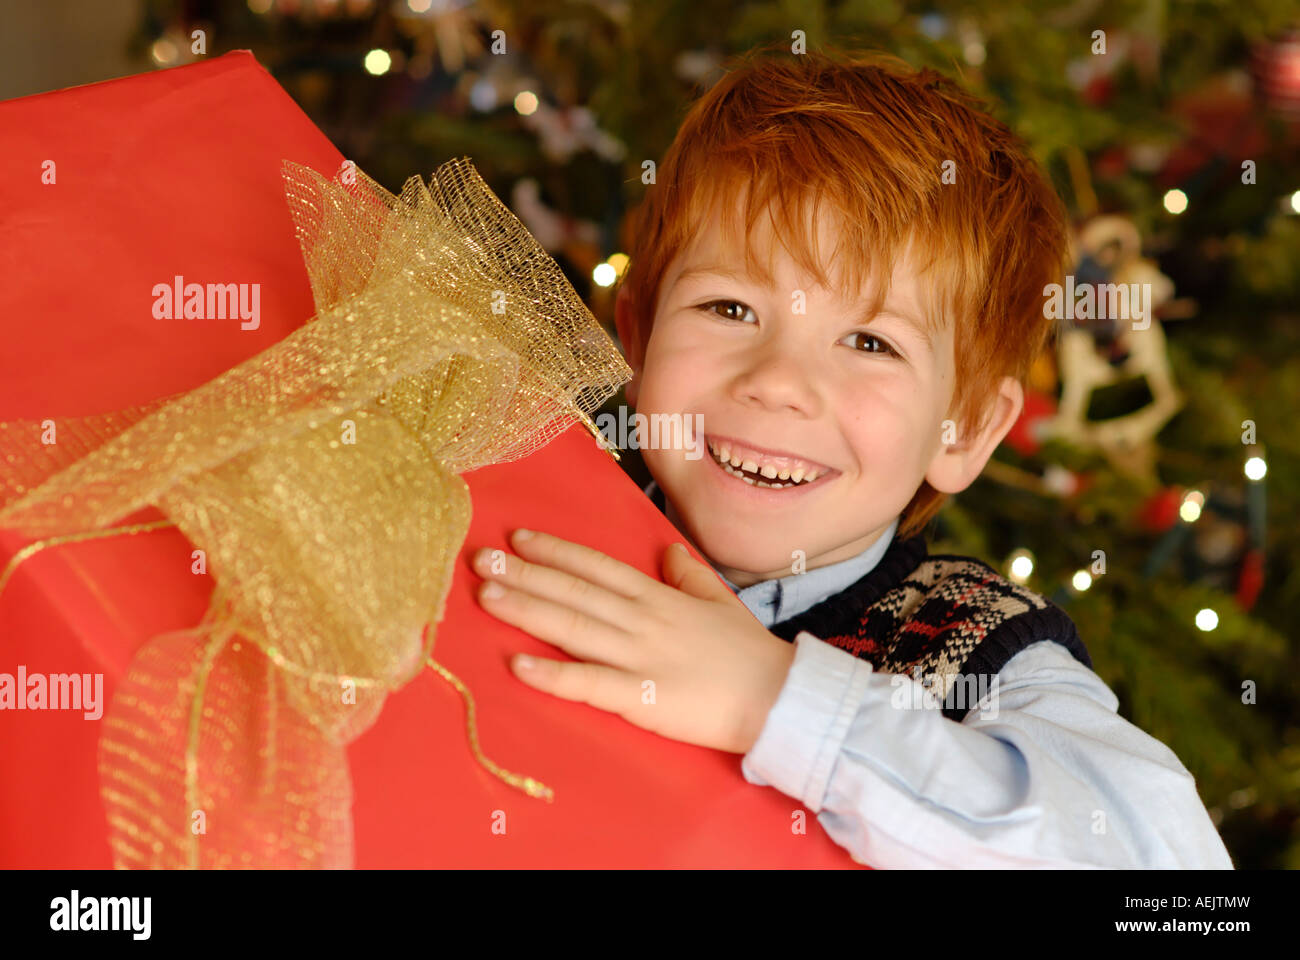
1042,772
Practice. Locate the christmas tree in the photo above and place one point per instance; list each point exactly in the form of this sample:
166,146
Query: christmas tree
1150,486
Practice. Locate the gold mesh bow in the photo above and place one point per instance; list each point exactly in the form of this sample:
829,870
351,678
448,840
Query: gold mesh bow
320,478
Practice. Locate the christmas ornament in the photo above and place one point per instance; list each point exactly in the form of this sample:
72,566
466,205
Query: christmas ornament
1275,66
1027,434
562,132
1101,345
1217,538
579,240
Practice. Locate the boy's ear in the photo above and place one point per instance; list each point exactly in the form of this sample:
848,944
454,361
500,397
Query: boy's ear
629,337
957,464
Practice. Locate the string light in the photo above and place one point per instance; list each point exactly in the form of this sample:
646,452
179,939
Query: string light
1255,468
1207,619
605,274
483,95
377,62
1020,565
1190,509
525,102
163,51
1081,580
1175,201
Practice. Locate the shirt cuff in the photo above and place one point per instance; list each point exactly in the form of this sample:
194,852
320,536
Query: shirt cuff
796,750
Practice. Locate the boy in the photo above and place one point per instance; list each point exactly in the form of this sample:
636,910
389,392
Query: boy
840,407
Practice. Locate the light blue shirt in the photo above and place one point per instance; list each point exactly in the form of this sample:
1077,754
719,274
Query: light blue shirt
772,601
1042,772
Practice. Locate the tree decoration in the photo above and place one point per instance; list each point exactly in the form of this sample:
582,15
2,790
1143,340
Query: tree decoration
1097,348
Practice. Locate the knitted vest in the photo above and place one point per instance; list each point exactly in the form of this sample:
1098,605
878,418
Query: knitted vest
951,622
944,620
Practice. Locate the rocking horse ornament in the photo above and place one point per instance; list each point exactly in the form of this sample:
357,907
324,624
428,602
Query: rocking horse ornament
1114,336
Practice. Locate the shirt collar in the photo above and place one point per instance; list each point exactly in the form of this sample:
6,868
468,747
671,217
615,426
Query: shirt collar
777,600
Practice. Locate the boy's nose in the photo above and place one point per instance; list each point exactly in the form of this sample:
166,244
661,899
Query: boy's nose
777,379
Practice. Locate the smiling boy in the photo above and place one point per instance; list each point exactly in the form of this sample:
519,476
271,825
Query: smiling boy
840,270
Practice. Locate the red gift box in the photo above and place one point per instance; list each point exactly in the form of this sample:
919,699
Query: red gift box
107,190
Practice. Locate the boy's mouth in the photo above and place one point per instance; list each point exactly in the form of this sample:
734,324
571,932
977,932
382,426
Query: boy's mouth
765,468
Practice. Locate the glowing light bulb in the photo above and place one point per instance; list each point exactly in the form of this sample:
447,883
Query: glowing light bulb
525,102
619,262
377,62
1020,565
163,51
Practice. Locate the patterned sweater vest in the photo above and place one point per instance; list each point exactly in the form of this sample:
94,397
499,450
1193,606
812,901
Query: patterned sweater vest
951,622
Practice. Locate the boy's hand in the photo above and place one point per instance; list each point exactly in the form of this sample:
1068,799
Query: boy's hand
684,659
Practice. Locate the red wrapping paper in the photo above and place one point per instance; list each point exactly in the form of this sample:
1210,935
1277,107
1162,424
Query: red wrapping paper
178,173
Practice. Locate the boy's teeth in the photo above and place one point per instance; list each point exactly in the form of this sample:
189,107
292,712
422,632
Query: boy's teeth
735,464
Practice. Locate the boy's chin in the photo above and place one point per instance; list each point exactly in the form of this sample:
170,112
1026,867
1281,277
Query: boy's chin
738,557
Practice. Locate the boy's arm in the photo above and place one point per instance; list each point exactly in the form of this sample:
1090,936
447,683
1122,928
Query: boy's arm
1053,778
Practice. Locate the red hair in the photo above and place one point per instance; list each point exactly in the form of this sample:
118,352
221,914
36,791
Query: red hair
871,138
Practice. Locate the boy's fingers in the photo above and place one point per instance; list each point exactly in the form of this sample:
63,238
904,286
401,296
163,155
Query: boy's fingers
583,562
574,631
605,688
558,586
683,571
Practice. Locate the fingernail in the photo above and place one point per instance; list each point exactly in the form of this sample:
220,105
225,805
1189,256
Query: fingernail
522,534
525,662
492,590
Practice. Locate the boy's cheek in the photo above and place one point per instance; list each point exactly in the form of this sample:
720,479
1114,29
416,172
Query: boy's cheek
653,463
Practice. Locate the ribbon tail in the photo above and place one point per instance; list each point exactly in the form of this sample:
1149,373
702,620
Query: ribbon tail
204,763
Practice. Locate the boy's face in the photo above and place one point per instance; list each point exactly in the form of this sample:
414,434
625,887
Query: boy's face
814,389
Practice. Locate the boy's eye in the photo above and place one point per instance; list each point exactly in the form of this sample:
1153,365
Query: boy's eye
726,303
881,345
872,338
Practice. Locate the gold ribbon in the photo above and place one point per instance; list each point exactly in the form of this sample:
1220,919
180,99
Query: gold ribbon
321,480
